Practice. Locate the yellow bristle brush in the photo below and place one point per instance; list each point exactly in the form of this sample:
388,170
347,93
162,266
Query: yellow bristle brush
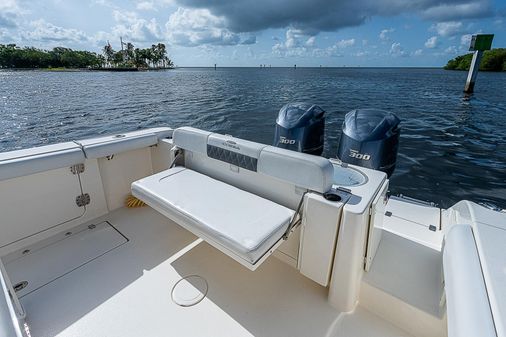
132,202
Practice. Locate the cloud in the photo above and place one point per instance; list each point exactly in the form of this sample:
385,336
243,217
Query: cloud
43,31
345,43
459,11
431,42
361,53
193,27
396,50
295,44
418,52
465,40
252,39
298,43
10,12
315,16
384,34
311,41
145,6
451,50
132,28
450,28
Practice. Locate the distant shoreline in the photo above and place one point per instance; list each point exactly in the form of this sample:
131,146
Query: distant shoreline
88,69
218,68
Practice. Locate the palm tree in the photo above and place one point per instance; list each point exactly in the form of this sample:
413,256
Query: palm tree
108,54
162,53
129,52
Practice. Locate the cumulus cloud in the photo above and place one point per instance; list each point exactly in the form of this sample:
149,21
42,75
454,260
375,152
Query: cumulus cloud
43,31
431,42
396,50
193,27
133,28
145,6
295,44
450,28
327,15
311,41
465,39
384,34
418,52
298,43
9,13
451,50
345,43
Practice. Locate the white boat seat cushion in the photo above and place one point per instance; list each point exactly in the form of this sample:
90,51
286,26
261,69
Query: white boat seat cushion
241,224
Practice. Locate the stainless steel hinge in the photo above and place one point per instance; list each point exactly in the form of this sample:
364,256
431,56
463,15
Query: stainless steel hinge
77,168
83,200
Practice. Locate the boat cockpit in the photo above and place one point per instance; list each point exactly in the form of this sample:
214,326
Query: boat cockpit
234,238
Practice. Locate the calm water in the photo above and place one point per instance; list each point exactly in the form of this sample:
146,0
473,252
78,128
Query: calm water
452,148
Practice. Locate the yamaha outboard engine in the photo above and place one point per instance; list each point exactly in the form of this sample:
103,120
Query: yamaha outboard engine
370,138
300,127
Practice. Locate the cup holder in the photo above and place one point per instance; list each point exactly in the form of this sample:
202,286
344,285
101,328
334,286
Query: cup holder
331,196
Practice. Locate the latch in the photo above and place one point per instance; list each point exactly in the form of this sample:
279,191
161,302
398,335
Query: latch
77,168
83,200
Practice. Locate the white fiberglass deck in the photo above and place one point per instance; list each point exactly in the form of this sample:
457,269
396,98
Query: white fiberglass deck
127,292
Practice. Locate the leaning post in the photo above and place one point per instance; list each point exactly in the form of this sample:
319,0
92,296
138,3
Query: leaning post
479,43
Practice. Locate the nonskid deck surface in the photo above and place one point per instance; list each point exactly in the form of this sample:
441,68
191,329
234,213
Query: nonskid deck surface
127,292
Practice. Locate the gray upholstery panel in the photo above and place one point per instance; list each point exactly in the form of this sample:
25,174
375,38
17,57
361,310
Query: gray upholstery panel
234,158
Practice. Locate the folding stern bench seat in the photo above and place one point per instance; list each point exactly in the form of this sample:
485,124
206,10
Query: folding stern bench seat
243,225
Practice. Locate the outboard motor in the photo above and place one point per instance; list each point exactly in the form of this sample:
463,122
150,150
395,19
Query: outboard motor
300,127
370,138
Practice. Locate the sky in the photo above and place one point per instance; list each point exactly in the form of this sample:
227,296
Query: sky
328,33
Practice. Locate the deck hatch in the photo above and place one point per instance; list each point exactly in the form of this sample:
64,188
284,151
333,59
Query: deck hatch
40,264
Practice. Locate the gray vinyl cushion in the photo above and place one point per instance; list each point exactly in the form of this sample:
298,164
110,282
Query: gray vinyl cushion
241,222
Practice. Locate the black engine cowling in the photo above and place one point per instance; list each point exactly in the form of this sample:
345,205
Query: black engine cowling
370,138
300,127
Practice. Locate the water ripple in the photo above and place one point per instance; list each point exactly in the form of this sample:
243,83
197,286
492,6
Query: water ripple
453,147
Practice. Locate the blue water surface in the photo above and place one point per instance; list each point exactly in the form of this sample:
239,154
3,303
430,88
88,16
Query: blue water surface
452,147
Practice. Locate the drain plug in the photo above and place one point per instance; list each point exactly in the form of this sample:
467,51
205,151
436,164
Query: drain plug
189,290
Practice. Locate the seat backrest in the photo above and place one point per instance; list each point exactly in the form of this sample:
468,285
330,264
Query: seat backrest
301,170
